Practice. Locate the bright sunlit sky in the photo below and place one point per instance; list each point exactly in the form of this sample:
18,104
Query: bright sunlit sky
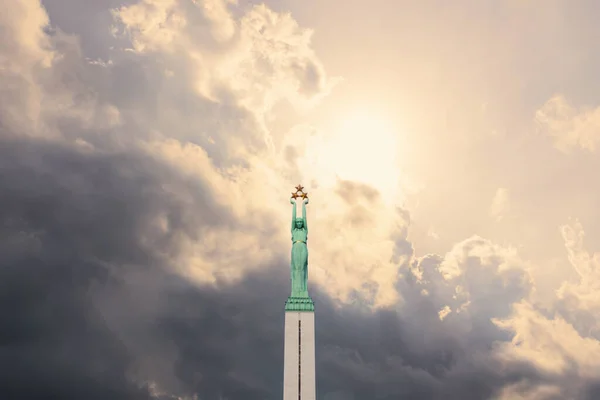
446,102
449,148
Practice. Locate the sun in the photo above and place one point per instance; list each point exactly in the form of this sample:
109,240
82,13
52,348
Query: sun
362,148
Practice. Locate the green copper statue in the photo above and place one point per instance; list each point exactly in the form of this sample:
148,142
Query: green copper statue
299,266
299,299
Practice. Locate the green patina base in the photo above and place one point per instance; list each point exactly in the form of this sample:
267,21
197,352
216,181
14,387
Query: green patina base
299,304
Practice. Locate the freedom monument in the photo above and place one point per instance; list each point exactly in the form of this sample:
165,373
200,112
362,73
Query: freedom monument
299,381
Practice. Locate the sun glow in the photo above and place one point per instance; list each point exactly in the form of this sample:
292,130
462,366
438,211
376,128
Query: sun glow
362,148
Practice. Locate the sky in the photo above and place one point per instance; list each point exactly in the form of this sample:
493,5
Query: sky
148,149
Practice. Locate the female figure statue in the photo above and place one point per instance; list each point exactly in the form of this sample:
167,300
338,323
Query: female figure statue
299,266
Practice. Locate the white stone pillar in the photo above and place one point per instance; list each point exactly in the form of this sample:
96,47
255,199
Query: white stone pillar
299,380
290,356
308,384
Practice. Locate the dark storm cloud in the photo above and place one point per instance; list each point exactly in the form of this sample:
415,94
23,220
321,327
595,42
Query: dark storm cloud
64,218
87,298
91,311
77,325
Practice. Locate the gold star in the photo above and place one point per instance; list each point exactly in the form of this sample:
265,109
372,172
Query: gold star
299,188
305,195
294,195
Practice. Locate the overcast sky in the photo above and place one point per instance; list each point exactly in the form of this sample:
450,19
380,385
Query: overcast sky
148,149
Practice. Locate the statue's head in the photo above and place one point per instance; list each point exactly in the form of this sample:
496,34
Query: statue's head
299,223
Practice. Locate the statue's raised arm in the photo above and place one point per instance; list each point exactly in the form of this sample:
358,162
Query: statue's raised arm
304,203
293,201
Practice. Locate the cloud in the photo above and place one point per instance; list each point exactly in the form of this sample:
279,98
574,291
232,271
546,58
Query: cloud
66,225
563,342
522,392
500,204
25,51
87,242
261,59
578,300
353,192
144,241
568,126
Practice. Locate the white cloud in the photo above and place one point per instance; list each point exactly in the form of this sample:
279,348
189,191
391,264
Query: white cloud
500,204
25,52
263,58
486,270
579,301
443,313
432,233
473,284
565,344
551,344
568,126
153,25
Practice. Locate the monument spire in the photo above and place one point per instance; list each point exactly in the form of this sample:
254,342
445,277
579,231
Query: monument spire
299,379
